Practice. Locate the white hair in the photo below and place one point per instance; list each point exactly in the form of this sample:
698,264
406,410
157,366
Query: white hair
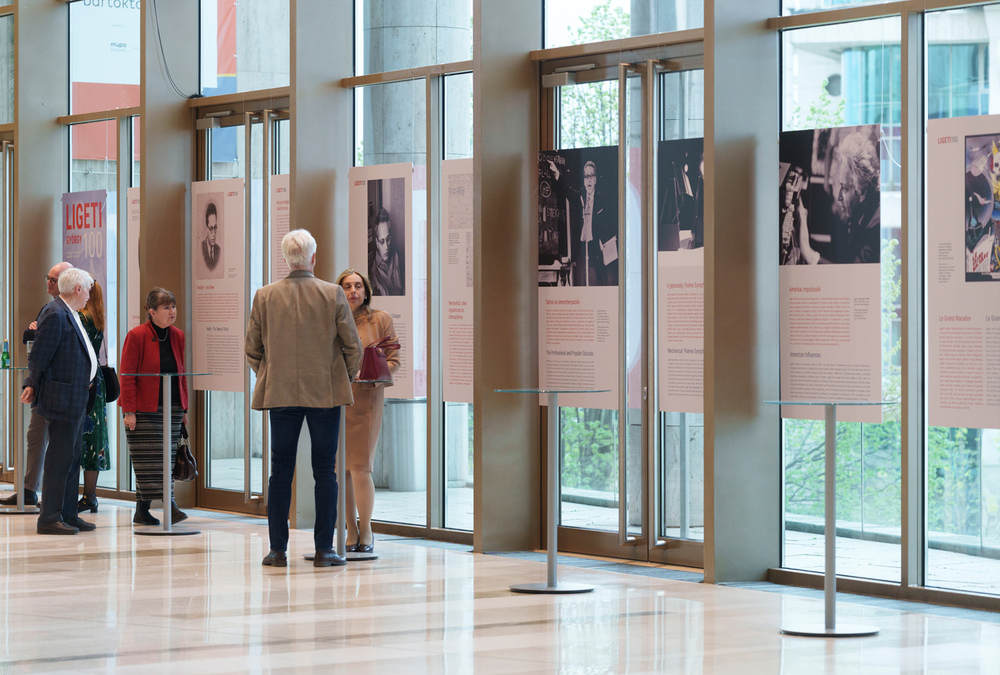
298,247
70,278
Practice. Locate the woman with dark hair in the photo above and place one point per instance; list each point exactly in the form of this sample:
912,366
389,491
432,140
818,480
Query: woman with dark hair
94,457
363,420
156,346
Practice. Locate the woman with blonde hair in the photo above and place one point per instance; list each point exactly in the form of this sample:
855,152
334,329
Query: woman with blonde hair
363,420
94,457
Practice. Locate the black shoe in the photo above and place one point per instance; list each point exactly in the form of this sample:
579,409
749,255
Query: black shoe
351,548
275,559
83,525
87,504
328,559
142,515
176,515
58,527
364,548
30,499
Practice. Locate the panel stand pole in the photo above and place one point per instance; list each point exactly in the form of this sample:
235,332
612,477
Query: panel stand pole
552,521
829,629
167,470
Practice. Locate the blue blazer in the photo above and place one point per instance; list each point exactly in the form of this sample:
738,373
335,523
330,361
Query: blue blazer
59,365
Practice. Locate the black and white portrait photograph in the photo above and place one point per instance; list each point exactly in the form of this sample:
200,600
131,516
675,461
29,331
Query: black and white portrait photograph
208,236
681,190
387,236
982,208
830,196
578,217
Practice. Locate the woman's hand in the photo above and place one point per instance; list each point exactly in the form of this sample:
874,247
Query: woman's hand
129,420
184,419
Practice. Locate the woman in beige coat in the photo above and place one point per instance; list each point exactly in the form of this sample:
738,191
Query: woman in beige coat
364,419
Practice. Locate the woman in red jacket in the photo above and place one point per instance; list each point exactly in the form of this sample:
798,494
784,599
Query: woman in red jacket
154,347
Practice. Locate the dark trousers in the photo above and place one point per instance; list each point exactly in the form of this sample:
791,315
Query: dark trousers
324,431
61,476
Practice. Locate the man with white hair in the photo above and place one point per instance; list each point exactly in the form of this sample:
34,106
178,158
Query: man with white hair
60,385
302,343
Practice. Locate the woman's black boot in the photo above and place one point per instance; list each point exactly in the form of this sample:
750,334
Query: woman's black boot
142,515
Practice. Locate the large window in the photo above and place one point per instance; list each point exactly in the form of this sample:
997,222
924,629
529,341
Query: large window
836,76
244,46
392,35
963,464
6,69
573,22
104,47
392,129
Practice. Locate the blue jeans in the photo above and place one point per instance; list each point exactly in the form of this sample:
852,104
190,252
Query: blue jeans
324,430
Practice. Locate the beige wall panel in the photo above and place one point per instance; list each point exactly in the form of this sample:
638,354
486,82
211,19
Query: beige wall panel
507,459
40,175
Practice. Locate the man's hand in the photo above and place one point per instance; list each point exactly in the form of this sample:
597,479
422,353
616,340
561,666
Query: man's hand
33,325
28,395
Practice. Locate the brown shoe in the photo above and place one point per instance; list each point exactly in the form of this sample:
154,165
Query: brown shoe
275,559
58,527
328,559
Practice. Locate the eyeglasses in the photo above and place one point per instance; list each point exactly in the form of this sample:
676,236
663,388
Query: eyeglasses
50,280
212,228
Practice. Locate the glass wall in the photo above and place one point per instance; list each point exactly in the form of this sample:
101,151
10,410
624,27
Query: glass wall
574,22
458,421
392,128
680,253
833,76
963,464
244,46
94,166
104,47
6,69
800,6
393,35
588,437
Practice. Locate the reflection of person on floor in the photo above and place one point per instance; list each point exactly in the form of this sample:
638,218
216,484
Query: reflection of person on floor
363,420
386,276
210,250
854,184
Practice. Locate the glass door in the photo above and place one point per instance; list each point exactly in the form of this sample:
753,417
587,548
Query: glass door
251,146
621,456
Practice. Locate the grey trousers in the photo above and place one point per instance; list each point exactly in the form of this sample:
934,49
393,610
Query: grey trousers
38,441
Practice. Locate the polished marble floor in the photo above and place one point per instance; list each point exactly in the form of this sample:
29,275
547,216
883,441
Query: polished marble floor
110,601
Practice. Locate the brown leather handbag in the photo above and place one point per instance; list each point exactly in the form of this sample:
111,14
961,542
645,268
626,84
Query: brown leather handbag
185,468
374,367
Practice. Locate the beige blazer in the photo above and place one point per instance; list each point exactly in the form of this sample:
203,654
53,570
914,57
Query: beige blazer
302,343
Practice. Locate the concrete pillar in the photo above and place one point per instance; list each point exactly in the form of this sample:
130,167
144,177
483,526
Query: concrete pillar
742,454
662,16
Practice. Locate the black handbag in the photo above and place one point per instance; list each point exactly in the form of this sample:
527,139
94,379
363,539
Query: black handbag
185,468
112,388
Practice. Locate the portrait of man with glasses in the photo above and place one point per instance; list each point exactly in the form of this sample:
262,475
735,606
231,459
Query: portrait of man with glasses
211,265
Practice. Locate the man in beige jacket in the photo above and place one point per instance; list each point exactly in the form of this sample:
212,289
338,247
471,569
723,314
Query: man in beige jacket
303,344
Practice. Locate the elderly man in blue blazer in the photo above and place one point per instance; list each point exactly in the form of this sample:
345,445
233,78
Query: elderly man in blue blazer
61,370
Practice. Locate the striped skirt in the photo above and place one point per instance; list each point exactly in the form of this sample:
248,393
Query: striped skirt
145,448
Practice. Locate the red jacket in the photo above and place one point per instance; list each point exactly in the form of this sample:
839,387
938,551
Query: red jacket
141,354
